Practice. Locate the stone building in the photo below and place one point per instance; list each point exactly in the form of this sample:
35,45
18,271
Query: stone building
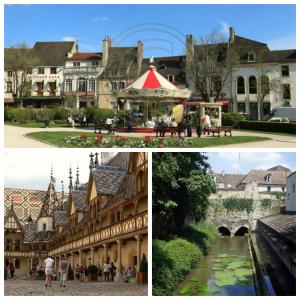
43,79
291,193
102,219
260,188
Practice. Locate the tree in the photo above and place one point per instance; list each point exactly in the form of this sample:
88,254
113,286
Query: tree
20,60
211,65
181,188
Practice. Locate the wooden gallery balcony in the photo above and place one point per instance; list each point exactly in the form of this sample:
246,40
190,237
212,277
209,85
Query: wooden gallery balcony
130,225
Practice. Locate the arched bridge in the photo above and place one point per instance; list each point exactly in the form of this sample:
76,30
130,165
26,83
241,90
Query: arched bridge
232,227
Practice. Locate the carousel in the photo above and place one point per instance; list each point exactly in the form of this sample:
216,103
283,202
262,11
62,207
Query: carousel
154,97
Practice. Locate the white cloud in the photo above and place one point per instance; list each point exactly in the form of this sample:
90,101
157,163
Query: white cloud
99,19
69,39
286,42
225,28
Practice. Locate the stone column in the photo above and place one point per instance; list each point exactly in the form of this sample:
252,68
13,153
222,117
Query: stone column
31,262
80,258
72,260
119,274
138,251
105,252
92,255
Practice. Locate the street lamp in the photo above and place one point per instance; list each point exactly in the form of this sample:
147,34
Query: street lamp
123,102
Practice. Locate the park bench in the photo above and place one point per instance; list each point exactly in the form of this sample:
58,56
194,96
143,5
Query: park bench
218,130
162,130
102,126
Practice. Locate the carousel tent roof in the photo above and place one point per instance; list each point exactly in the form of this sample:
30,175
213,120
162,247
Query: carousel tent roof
152,80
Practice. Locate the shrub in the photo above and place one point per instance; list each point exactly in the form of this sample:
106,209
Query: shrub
265,203
232,119
92,269
238,204
144,264
268,126
102,113
171,262
60,114
202,234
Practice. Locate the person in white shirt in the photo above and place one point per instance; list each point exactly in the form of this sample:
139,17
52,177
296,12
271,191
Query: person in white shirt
49,265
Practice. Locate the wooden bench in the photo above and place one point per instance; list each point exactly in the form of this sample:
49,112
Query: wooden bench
102,126
218,130
162,130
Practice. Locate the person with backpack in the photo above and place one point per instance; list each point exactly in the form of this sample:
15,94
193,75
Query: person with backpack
63,270
106,271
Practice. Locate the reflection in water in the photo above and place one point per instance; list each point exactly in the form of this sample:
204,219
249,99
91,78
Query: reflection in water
226,270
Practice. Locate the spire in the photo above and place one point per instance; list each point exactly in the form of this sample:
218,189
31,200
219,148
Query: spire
96,159
77,179
91,161
51,176
62,195
70,182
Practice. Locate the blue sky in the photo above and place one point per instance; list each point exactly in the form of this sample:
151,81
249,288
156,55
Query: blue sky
229,162
162,28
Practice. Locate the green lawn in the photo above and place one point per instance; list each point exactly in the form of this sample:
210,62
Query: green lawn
265,132
58,139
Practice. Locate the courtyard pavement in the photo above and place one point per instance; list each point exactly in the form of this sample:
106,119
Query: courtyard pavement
21,287
14,138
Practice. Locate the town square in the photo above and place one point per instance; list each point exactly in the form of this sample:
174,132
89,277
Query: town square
217,87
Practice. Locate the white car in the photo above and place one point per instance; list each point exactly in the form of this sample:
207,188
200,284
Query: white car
279,120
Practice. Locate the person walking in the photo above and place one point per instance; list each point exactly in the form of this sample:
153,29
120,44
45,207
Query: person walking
49,264
106,269
112,271
189,124
11,269
63,270
77,272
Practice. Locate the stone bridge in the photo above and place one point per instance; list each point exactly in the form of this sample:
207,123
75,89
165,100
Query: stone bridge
232,227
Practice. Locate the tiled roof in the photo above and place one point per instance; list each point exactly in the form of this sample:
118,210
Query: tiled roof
85,56
61,217
279,168
259,176
108,181
79,197
52,53
29,232
283,224
229,179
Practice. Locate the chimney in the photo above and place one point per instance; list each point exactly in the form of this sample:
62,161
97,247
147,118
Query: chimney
106,44
189,47
231,35
140,53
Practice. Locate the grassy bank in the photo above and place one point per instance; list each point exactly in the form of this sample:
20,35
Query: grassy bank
175,257
59,139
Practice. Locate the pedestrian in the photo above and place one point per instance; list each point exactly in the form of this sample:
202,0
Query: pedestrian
189,125
106,269
49,264
112,271
11,269
77,272
63,270
82,273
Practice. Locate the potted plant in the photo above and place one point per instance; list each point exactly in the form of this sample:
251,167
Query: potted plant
70,273
93,273
143,271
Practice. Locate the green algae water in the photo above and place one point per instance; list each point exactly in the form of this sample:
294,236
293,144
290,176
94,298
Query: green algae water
225,271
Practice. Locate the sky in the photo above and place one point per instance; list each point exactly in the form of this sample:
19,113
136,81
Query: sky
162,28
31,169
241,163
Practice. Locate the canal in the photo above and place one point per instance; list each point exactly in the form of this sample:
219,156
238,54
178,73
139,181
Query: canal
226,270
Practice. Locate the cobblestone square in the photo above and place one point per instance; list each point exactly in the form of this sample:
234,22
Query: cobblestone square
73,288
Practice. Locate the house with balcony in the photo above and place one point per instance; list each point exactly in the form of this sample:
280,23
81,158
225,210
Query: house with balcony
41,83
80,79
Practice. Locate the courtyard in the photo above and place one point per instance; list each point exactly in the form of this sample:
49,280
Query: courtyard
23,287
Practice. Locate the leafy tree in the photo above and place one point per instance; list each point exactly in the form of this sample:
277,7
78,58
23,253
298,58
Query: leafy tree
181,188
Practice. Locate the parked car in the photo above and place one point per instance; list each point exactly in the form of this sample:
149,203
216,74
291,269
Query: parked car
282,111
279,120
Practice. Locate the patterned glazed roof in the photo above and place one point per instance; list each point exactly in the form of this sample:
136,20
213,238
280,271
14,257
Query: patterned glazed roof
61,217
78,197
26,202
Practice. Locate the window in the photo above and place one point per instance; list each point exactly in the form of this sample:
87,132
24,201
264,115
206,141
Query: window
8,86
41,71
76,64
92,85
52,87
122,85
171,78
52,70
269,189
17,245
9,73
252,85
285,71
82,85
17,264
44,227
283,189
217,84
286,91
95,63
240,85
268,178
68,85
251,57
118,85
29,71
40,86
294,188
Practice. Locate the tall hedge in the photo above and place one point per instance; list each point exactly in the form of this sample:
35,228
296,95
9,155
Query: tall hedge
232,119
268,126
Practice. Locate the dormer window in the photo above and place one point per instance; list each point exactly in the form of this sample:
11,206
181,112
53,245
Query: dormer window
268,178
171,78
251,57
44,227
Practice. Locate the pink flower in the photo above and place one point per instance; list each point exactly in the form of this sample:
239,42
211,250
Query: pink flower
161,146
